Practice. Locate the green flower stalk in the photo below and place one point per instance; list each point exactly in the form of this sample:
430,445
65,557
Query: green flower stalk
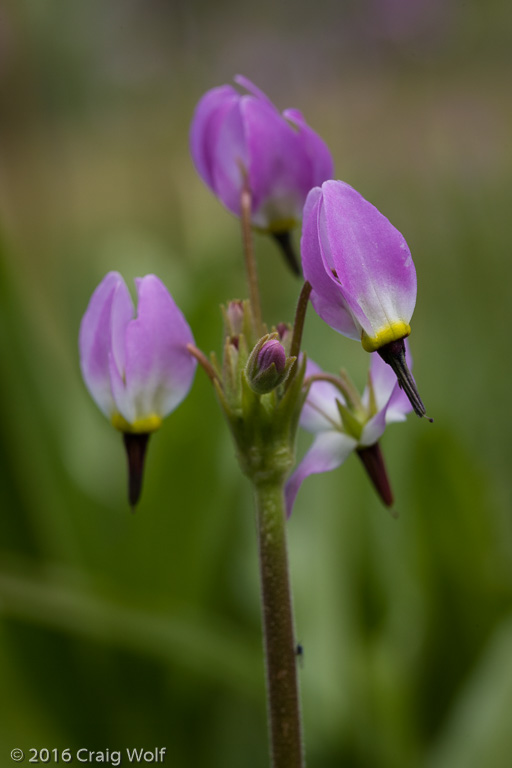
260,388
261,394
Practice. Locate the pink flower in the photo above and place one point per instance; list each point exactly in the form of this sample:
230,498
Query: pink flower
136,368
362,275
343,423
242,138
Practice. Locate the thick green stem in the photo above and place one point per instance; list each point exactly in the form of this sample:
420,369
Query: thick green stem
278,631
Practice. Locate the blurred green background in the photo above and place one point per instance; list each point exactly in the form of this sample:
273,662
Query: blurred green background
121,630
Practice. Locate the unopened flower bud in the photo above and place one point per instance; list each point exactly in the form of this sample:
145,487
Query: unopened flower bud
234,317
267,366
272,353
285,332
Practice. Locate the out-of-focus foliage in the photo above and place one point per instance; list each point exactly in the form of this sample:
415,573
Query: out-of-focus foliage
123,630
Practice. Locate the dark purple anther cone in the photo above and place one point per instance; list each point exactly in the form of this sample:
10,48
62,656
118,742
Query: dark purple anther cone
373,461
394,355
136,445
284,241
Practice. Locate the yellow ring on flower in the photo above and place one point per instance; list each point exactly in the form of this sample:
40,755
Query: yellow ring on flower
393,332
140,426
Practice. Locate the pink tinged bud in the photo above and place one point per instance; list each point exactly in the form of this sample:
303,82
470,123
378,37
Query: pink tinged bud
238,139
267,366
235,317
271,353
285,332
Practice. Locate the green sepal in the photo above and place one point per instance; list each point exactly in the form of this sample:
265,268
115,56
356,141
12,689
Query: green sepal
266,381
351,424
264,426
372,402
264,422
293,397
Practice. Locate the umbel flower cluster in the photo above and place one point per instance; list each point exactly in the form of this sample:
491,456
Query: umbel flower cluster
358,269
272,171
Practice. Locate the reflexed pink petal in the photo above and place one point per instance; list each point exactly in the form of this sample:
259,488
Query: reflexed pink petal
321,166
206,123
159,369
95,341
371,258
398,406
251,88
231,133
124,404
326,297
373,429
276,162
230,160
329,451
320,412
121,313
383,380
